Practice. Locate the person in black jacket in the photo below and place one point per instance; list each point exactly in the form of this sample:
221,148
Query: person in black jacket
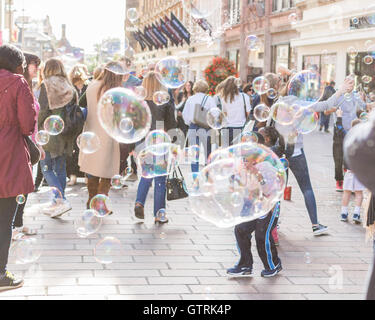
329,91
359,154
160,114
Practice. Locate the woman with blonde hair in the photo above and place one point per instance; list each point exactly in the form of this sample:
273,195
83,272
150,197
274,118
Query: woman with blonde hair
163,113
102,165
235,105
56,93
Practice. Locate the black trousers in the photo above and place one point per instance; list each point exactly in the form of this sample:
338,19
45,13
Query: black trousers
338,157
18,218
125,150
39,177
72,167
7,212
263,236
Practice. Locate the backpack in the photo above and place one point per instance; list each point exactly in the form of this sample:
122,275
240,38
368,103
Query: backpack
74,120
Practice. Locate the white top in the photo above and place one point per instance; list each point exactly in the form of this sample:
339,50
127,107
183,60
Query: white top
235,110
188,113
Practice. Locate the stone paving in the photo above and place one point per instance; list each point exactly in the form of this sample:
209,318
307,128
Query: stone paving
187,259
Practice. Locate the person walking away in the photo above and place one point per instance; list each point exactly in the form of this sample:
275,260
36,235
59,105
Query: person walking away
236,107
180,105
17,120
163,113
102,165
31,72
56,93
79,78
325,117
197,134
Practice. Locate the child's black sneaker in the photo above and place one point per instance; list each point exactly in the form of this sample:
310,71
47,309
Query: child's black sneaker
240,271
9,282
357,218
319,230
272,273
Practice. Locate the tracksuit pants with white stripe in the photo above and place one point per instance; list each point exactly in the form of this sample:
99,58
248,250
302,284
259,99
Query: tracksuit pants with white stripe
263,235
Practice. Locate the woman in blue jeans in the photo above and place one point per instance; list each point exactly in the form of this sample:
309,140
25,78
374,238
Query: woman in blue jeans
160,114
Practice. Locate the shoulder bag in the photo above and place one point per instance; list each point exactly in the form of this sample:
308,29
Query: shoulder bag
200,114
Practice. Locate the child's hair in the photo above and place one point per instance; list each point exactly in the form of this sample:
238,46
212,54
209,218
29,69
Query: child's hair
355,122
274,137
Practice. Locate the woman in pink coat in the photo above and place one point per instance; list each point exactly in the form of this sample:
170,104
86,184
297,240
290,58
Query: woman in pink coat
17,120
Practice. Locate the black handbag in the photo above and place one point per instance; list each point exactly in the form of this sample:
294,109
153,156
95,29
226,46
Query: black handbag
33,150
176,187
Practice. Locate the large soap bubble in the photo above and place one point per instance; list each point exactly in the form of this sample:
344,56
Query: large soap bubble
160,141
88,223
54,125
242,183
120,107
171,72
108,250
88,142
26,250
307,87
101,204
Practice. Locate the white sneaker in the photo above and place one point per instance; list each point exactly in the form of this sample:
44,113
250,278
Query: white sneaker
51,207
61,209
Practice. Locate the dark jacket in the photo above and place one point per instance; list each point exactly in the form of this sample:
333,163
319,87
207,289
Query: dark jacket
328,93
17,119
163,113
61,144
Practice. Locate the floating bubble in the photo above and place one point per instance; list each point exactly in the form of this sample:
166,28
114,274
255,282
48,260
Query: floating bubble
307,122
116,182
238,82
368,44
170,72
127,174
307,258
368,60
348,96
100,204
249,137
118,68
88,223
366,79
293,18
200,9
20,199
117,108
141,92
190,155
27,250
216,119
108,250
283,113
307,87
54,125
88,142
261,85
355,20
161,97
163,236
132,15
285,162
352,52
250,169
160,141
262,113
252,42
364,116
272,93
42,137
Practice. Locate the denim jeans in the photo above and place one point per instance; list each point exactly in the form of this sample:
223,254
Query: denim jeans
54,171
7,211
194,138
298,165
159,192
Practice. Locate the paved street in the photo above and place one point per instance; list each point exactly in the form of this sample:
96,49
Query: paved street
187,259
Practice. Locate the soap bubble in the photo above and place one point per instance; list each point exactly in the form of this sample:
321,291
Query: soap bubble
249,137
285,162
116,182
26,250
88,223
54,125
306,86
190,155
307,122
153,164
117,68
364,116
352,52
88,142
170,72
282,113
127,174
140,92
366,79
262,113
293,18
20,199
348,96
261,85
108,250
42,137
272,93
200,9
160,141
250,171
368,60
216,119
161,97
101,204
252,42
132,15
238,82
355,20
368,44
120,107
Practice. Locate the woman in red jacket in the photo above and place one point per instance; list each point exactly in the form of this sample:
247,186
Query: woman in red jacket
17,120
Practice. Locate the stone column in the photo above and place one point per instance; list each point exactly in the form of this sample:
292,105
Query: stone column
267,37
244,54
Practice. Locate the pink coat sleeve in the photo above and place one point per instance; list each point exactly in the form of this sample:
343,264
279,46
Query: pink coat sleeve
26,110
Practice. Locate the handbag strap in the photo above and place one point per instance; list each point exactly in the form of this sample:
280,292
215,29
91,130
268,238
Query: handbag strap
244,105
204,101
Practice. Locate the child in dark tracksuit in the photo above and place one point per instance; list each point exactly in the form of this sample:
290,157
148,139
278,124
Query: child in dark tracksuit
263,226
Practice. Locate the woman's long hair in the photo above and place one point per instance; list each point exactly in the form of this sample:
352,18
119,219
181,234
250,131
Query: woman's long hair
109,79
151,84
30,59
54,67
79,73
186,93
274,137
228,89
